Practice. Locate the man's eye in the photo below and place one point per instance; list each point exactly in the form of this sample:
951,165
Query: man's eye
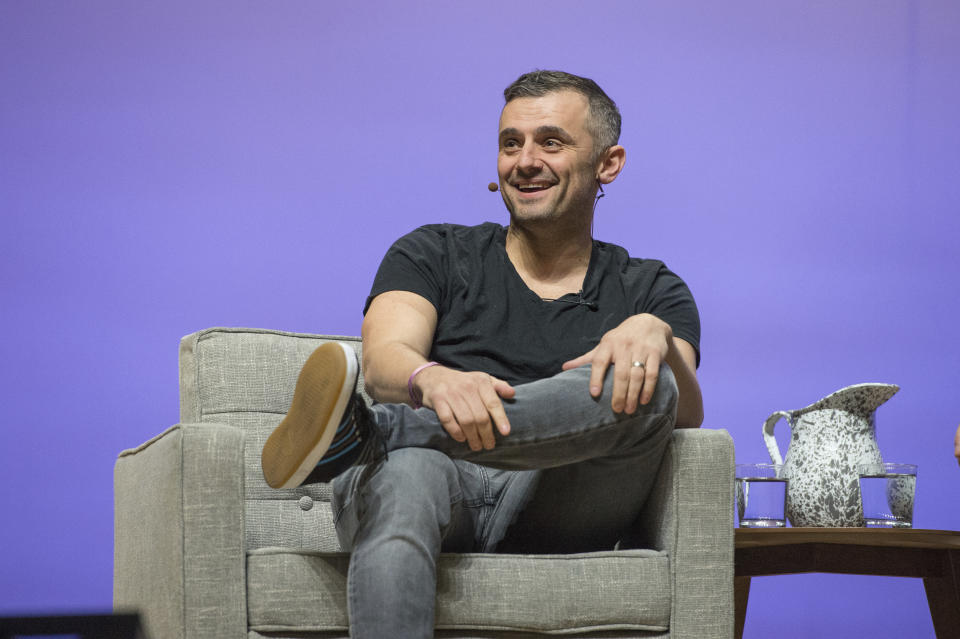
552,143
510,145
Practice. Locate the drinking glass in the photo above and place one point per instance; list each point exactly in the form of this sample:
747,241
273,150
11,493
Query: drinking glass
887,492
761,495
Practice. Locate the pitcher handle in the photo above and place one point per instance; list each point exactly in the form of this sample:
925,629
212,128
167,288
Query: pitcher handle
768,437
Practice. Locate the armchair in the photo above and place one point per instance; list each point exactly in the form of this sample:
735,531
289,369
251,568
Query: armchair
204,549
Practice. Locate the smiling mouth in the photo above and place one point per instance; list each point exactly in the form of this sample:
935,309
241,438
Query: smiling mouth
532,188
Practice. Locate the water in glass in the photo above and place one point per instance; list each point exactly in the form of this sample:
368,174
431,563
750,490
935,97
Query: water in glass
760,501
888,499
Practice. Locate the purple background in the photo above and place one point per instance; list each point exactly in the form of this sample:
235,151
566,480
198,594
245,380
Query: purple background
166,167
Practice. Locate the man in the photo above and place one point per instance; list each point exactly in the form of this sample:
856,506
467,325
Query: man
550,368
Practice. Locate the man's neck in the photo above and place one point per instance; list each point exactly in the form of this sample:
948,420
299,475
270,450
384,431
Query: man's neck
552,262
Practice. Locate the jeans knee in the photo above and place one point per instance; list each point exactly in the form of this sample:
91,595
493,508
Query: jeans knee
665,393
657,417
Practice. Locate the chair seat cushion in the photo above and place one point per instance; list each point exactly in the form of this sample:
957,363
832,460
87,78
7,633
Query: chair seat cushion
300,591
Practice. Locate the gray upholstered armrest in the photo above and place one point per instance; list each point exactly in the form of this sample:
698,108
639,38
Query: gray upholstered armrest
178,523
690,515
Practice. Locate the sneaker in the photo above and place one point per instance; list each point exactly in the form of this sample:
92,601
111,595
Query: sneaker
327,429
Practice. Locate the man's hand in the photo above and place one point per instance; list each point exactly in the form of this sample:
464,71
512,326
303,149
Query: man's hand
467,404
640,338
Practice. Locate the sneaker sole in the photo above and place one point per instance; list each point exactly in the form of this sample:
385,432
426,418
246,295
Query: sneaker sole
324,388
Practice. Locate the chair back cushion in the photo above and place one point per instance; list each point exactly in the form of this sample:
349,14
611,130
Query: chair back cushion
245,378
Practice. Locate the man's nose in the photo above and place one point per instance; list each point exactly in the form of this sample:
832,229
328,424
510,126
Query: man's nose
529,159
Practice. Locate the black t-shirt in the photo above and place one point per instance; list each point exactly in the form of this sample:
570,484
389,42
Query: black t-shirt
489,320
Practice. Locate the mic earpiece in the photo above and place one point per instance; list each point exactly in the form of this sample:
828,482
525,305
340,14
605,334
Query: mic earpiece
493,187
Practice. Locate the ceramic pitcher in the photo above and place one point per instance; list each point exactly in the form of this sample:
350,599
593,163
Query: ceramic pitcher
828,439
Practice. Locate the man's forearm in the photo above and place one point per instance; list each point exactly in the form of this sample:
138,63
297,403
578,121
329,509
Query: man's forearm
690,402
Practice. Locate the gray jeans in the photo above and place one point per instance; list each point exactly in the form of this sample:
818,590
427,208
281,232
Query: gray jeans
570,477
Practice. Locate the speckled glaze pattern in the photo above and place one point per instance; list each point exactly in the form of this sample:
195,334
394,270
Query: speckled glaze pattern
900,495
828,440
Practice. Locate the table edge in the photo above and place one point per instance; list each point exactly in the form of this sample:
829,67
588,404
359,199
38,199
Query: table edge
902,538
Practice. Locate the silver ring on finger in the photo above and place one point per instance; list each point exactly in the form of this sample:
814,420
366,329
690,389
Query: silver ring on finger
638,364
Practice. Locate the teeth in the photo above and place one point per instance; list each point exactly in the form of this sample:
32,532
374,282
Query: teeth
531,187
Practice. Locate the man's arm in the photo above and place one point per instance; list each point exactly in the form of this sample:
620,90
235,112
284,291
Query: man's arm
649,340
398,332
690,402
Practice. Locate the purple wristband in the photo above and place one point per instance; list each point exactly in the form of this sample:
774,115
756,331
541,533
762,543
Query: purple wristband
414,396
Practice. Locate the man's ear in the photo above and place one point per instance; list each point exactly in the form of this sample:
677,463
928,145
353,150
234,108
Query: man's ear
611,163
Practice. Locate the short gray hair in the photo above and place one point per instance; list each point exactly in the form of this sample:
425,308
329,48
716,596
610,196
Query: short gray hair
604,121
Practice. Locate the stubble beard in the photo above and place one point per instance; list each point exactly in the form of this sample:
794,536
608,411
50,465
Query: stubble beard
549,212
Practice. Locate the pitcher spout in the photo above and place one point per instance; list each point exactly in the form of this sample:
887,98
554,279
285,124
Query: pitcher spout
859,399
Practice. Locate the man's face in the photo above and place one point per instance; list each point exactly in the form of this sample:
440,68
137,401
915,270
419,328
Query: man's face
546,163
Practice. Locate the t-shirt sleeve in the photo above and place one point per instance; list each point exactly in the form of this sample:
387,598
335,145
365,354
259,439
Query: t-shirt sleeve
415,263
670,299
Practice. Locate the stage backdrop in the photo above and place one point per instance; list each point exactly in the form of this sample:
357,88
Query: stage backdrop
171,166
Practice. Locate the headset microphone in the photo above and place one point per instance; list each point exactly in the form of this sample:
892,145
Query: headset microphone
493,187
577,302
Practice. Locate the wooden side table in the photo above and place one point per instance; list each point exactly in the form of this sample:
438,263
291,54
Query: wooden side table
933,555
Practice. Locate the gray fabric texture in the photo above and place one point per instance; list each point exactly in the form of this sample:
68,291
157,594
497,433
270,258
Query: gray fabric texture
246,377
628,590
147,567
179,555
689,514
193,512
226,370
